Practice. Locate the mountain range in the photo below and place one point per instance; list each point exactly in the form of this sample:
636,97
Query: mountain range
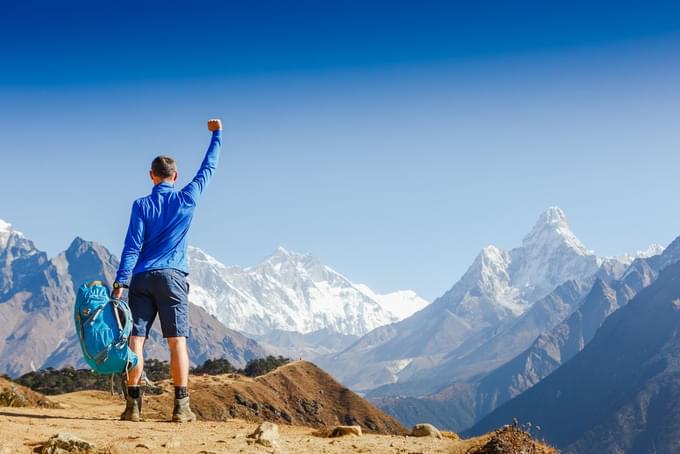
36,309
584,346
471,350
495,311
621,393
288,296
292,292
461,404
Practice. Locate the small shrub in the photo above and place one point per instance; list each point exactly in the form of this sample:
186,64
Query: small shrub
9,397
261,366
52,381
214,367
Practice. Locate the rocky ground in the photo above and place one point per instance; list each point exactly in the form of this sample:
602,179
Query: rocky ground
93,417
322,417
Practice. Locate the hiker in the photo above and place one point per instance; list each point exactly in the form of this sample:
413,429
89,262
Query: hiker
153,266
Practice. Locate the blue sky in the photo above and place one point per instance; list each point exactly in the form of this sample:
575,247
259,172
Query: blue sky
393,140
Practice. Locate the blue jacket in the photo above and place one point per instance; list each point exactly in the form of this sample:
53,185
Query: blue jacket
159,223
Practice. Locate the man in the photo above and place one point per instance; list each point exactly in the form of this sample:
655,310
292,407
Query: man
153,266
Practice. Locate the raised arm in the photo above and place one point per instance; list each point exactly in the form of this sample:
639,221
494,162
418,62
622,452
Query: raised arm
132,247
194,189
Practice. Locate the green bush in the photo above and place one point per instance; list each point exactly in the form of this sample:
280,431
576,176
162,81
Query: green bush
214,367
261,366
51,381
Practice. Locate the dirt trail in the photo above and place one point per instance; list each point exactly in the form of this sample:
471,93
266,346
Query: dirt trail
299,397
93,416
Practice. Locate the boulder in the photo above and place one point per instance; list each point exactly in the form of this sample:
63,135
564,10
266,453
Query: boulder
342,431
338,431
63,443
426,430
266,434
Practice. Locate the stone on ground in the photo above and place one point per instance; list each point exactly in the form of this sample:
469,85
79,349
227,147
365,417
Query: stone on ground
64,443
266,434
342,431
426,430
339,431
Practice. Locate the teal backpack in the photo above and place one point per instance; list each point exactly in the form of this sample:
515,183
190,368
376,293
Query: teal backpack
103,325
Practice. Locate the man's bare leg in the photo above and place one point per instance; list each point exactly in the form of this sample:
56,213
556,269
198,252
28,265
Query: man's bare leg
135,374
179,360
133,405
179,363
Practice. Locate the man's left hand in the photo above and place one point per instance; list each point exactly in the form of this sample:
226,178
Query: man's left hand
117,293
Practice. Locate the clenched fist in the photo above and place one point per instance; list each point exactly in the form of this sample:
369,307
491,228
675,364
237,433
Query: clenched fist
214,124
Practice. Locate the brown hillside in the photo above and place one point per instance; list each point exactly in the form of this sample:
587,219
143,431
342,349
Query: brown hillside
15,395
298,393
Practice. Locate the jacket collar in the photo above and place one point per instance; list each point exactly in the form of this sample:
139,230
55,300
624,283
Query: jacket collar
163,187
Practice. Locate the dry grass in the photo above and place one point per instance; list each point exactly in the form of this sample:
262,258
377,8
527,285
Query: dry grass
298,393
15,395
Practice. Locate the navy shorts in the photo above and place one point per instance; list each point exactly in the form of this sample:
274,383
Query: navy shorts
163,292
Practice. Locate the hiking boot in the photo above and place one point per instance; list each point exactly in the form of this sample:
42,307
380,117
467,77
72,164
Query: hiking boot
182,411
133,409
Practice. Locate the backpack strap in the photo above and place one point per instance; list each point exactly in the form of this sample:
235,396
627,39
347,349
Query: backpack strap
124,328
82,322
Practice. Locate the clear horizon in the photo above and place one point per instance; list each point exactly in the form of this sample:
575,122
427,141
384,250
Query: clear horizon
391,141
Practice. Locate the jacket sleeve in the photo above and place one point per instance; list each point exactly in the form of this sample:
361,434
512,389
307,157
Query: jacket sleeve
195,188
133,245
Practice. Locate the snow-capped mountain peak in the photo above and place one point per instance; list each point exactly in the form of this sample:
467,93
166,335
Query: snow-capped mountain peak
651,251
502,284
288,266
199,256
401,304
6,230
292,292
552,230
5,226
282,251
553,216
282,254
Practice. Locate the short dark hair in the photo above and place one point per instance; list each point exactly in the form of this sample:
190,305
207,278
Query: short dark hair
163,167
